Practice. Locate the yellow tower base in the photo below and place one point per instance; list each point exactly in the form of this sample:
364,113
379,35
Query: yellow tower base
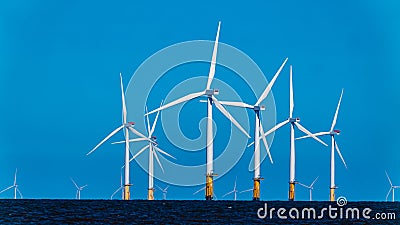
332,195
150,194
127,194
256,189
209,187
291,191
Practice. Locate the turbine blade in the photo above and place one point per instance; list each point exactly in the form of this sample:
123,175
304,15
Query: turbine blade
131,140
270,84
138,133
265,143
83,186
123,100
20,194
340,154
105,139
312,184
159,187
74,183
139,152
337,111
163,152
229,116
315,134
276,127
155,122
15,176
201,189
387,175
158,160
180,100
166,188
304,130
6,189
213,59
388,193
115,192
246,190
228,193
237,104
148,122
291,93
303,185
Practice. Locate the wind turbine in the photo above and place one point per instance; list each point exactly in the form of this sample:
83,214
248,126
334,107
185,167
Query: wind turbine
78,189
332,132
310,187
164,191
294,122
234,191
153,149
392,187
15,186
211,100
121,187
257,129
127,126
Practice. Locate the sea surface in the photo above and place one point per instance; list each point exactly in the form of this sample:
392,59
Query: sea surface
193,212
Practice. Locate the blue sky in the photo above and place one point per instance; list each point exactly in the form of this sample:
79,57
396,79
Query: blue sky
59,90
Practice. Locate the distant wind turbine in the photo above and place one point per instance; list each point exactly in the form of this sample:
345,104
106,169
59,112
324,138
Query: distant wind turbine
164,191
78,189
15,186
309,187
126,126
234,191
332,133
392,187
211,100
121,187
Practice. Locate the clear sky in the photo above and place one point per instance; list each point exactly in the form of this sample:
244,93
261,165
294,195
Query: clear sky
59,91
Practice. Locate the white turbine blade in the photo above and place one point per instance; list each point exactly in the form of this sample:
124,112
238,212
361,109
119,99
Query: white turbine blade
270,84
15,176
138,133
74,183
337,111
83,186
20,194
228,193
163,152
388,193
234,187
276,127
265,143
155,122
180,100
315,134
291,94
148,122
115,192
201,189
387,175
131,140
312,184
123,100
139,152
229,116
303,185
237,104
105,139
304,130
340,154
7,189
159,188
213,59
166,188
158,160
246,190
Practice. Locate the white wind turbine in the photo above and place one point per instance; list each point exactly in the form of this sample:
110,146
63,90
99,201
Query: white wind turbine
78,189
164,191
257,129
153,149
392,187
234,191
211,99
127,126
121,187
332,132
294,122
309,187
15,186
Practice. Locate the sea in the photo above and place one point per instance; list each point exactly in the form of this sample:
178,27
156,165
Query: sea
35,211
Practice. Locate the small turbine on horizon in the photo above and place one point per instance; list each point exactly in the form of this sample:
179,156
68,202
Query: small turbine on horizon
234,191
78,189
120,188
310,187
392,187
15,186
164,191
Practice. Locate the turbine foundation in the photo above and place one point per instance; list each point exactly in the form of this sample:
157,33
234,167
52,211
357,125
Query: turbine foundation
332,195
209,187
291,190
127,194
256,188
150,194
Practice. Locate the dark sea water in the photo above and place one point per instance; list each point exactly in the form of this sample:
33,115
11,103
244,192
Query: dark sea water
187,212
